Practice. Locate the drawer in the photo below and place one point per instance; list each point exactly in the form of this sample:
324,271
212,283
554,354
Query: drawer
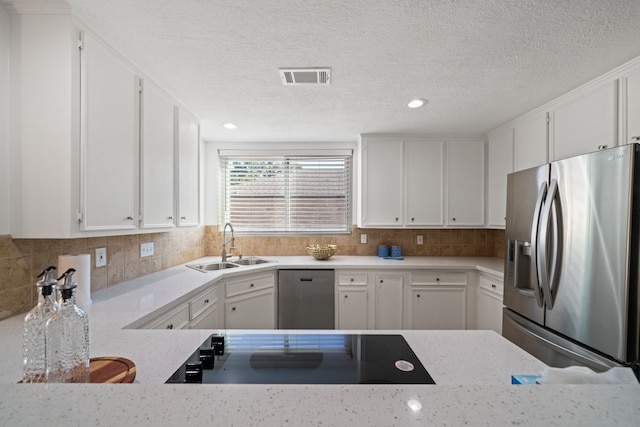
491,284
203,301
250,284
358,278
175,319
431,278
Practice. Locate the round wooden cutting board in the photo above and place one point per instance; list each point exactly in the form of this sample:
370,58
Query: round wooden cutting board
111,370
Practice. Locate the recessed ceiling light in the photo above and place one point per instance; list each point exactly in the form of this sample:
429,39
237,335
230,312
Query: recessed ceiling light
416,103
230,125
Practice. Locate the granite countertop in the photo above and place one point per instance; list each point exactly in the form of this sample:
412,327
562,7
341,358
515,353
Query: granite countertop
472,370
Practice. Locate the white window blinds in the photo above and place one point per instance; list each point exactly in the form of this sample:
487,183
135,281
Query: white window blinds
277,194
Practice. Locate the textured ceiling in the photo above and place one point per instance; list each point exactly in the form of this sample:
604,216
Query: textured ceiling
480,63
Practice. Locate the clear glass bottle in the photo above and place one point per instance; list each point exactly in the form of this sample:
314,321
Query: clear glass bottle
34,357
67,337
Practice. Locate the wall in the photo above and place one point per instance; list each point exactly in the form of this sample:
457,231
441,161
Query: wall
22,259
437,242
4,120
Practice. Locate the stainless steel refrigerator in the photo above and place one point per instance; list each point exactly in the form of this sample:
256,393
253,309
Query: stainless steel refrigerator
572,260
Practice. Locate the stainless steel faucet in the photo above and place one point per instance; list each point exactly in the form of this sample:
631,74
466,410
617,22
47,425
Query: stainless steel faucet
224,241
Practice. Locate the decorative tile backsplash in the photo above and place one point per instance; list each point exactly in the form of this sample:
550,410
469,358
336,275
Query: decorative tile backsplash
22,259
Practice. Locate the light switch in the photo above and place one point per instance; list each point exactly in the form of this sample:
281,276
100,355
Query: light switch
146,249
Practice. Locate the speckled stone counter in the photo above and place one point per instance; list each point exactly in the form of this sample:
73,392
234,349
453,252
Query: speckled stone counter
472,370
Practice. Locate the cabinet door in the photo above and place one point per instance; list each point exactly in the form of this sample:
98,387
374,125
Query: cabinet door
188,170
585,124
500,165
489,311
381,181
424,183
438,308
109,139
208,319
352,309
388,309
255,310
531,142
157,163
465,183
633,107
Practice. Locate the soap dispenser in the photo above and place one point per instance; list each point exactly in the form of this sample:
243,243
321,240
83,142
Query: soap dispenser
67,337
33,362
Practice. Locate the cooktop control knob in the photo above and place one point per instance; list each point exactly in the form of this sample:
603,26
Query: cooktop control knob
207,358
193,372
217,343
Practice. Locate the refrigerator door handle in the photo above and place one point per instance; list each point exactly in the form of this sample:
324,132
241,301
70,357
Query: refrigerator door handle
542,255
535,249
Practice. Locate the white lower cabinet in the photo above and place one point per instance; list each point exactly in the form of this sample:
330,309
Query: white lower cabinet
352,301
353,308
490,290
204,312
176,318
388,309
250,302
436,300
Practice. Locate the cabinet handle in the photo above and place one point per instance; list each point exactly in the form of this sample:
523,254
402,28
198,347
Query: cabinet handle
602,147
437,279
493,286
170,326
346,296
396,219
130,218
183,217
418,296
206,301
351,279
635,138
233,309
251,285
170,218
453,219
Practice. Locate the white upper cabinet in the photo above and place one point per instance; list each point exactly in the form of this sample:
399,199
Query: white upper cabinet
465,183
586,122
381,183
109,142
424,161
500,165
157,158
631,120
531,142
188,149
405,182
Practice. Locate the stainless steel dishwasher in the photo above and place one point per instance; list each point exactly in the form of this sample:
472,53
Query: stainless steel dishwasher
306,299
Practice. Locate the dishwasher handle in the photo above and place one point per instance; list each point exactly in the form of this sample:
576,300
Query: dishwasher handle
306,279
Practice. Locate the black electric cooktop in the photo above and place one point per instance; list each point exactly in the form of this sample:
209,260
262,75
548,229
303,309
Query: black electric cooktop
280,358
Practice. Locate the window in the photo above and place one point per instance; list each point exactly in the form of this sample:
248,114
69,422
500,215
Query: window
278,194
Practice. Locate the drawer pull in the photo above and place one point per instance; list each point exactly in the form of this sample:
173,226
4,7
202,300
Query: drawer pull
233,309
306,279
418,296
493,286
170,326
251,285
206,301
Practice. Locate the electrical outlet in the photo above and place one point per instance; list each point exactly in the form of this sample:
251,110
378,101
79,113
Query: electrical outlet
146,249
363,238
101,257
419,240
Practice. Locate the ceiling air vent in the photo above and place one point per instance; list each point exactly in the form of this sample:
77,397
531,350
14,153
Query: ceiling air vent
305,76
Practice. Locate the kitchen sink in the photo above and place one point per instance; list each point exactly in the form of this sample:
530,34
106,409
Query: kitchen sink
250,261
213,266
